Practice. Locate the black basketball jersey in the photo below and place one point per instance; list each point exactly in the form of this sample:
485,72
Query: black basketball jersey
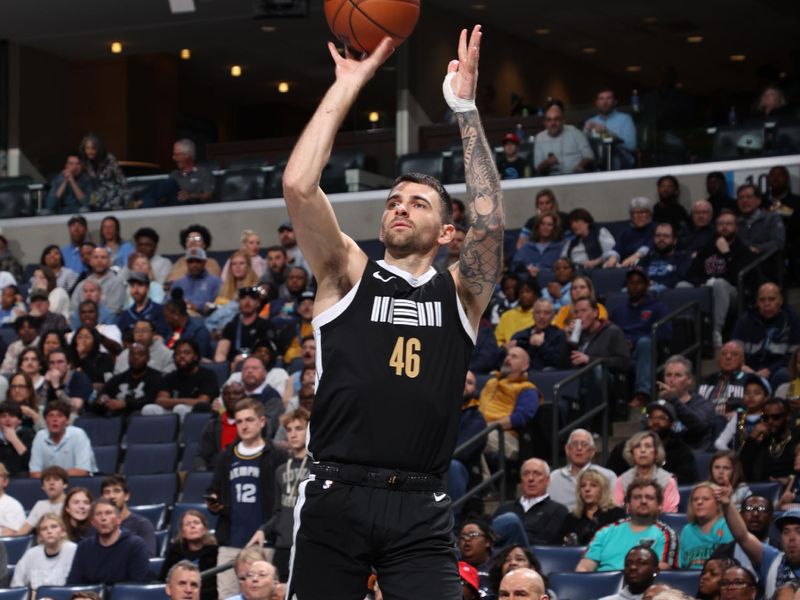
391,360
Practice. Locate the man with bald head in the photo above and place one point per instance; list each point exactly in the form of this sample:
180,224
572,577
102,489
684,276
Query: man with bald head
510,399
523,583
769,332
725,388
533,518
112,286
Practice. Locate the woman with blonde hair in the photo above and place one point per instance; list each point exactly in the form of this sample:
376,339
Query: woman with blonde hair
250,245
196,544
645,453
706,528
238,273
581,287
49,562
594,508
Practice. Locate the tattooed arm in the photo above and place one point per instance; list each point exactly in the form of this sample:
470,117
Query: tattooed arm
481,261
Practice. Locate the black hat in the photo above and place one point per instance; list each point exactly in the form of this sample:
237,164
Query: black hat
250,291
664,406
136,276
38,294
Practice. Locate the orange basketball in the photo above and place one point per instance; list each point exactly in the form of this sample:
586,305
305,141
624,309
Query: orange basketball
362,24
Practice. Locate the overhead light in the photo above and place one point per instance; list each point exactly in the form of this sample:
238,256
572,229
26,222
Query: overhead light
116,47
283,87
268,28
236,71
782,75
633,68
181,6
478,6
737,57
650,20
186,54
589,50
541,31
694,39
374,117
679,85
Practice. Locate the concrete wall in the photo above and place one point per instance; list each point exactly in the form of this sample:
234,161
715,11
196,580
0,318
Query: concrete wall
606,195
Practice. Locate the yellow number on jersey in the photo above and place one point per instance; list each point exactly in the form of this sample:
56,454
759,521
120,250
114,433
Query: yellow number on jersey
405,357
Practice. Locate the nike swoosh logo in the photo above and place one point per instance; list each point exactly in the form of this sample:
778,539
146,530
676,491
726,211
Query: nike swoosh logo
377,275
439,497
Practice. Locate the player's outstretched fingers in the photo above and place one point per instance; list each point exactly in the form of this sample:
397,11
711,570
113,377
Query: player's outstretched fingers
452,67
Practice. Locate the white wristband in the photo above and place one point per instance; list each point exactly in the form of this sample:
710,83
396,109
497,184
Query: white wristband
455,103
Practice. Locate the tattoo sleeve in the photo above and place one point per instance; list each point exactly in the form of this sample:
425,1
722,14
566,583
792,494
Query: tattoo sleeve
481,258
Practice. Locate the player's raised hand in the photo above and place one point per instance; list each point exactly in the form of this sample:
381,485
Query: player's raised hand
465,68
359,70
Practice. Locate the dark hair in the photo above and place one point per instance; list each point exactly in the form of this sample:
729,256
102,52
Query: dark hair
9,407
24,319
592,301
639,483
99,146
716,175
203,231
496,570
433,183
726,211
73,346
36,351
48,274
62,340
276,248
115,479
605,88
744,186
545,192
482,524
527,282
553,102
187,342
581,214
47,250
747,572
176,301
768,501
460,204
70,154
115,220
646,548
57,406
558,233
779,401
147,232
32,400
88,303
55,471
75,532
672,178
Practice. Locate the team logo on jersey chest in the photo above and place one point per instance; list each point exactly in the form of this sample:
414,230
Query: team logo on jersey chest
386,309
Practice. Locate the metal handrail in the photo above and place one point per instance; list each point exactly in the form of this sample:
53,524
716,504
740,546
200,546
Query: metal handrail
696,347
762,258
499,474
601,408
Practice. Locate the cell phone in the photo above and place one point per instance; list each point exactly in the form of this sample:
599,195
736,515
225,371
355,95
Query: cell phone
211,497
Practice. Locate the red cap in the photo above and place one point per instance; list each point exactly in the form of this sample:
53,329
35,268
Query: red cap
511,137
469,575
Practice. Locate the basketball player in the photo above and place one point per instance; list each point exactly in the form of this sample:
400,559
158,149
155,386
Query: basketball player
394,338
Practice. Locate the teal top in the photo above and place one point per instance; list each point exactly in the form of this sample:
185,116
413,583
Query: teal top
696,546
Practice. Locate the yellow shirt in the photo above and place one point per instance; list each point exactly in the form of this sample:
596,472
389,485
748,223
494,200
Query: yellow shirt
513,320
499,397
564,316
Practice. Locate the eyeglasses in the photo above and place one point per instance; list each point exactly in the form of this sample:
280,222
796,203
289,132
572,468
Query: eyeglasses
254,575
737,584
580,445
758,509
18,386
470,535
194,238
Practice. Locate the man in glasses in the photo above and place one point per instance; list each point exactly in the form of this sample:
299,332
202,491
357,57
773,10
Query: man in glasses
774,567
242,332
560,148
756,512
475,546
258,579
771,456
580,451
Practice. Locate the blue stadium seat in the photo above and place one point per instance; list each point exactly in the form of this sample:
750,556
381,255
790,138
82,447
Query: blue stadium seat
545,380
187,458
221,369
90,483
155,513
156,563
556,559
154,429
15,201
684,491
702,461
675,298
8,335
767,489
585,585
162,541
16,547
182,507
59,592
102,431
15,593
195,486
28,491
684,580
153,489
107,458
614,300
150,459
675,520
192,427
133,591
607,280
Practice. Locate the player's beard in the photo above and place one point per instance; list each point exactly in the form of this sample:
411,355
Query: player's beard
403,242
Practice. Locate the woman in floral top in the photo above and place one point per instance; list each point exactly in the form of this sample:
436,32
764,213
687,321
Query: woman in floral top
108,181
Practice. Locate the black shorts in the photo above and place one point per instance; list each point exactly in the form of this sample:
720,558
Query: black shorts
343,531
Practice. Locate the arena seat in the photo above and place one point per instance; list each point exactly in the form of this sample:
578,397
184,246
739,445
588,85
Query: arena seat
27,490
684,491
607,280
156,563
64,592
702,462
195,486
155,513
429,163
545,380
153,489
19,593
768,489
107,458
162,541
221,369
152,429
102,431
90,483
192,426
684,580
189,453
675,520
555,559
132,591
16,547
150,459
585,585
